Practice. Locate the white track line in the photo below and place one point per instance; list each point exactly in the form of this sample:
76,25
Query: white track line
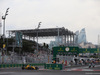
92,73
6,73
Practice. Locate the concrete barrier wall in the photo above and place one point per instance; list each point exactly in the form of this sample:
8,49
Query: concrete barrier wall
19,65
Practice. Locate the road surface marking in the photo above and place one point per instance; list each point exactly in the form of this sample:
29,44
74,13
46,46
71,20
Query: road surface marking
5,73
92,73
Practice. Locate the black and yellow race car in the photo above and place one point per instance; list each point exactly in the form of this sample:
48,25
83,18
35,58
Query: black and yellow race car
29,67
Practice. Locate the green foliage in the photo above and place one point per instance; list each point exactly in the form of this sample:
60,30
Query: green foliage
45,45
1,43
27,46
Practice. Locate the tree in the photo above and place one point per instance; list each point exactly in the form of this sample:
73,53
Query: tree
47,46
44,44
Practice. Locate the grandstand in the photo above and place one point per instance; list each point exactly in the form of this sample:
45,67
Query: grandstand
16,54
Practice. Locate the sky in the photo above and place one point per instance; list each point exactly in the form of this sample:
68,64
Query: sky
71,14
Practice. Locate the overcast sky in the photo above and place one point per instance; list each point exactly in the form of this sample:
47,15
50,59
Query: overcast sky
71,14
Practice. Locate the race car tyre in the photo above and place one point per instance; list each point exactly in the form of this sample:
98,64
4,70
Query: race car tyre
22,68
29,68
36,68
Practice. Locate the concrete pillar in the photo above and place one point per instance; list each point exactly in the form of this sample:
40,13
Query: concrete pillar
29,37
73,39
65,40
68,40
9,34
33,38
62,40
24,36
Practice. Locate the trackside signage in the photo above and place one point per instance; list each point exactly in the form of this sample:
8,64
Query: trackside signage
66,50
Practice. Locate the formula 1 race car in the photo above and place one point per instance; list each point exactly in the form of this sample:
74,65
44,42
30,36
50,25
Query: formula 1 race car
28,67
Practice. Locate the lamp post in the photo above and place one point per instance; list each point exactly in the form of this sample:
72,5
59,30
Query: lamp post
37,34
98,46
3,18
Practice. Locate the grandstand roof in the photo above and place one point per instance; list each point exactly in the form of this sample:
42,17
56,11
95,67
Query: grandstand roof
44,32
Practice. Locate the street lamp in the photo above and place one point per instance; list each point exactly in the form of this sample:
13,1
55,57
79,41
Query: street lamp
3,18
98,46
37,34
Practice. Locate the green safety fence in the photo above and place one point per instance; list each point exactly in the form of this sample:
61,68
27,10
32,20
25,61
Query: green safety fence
19,65
54,66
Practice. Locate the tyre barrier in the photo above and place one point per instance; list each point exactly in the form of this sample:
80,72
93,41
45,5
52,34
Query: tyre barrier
19,65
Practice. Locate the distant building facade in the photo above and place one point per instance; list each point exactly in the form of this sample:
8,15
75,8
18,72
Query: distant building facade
80,40
58,41
87,45
80,36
